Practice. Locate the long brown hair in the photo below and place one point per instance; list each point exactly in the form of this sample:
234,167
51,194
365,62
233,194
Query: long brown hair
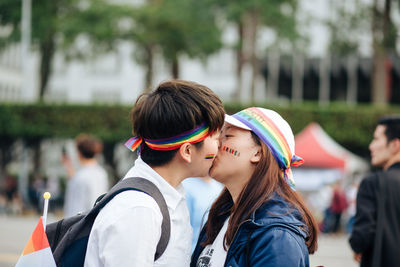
266,180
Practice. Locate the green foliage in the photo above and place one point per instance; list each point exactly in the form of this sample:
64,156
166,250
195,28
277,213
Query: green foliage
348,28
44,21
57,24
176,27
99,22
279,16
352,127
110,123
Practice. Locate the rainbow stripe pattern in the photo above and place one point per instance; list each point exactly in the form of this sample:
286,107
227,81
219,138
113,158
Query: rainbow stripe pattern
231,151
209,156
196,135
265,128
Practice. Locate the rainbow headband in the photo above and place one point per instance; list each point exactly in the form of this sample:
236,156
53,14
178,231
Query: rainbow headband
193,136
270,134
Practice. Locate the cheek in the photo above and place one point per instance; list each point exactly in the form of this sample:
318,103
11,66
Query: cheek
374,146
211,149
380,147
226,149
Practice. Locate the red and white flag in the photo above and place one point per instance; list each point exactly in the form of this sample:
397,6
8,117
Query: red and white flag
37,251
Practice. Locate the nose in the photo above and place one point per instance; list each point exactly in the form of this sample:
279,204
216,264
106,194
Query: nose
371,146
219,143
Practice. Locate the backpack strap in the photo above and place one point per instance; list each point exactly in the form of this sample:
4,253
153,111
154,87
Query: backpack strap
145,186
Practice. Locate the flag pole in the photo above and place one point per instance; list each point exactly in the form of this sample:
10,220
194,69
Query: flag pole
46,197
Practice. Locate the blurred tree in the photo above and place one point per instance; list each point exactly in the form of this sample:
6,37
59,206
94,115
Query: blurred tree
347,28
173,28
374,19
55,25
384,35
44,29
157,27
249,17
193,32
91,28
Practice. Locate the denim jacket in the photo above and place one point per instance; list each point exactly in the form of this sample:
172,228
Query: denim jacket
274,235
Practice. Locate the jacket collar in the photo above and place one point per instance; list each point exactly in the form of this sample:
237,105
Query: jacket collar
394,166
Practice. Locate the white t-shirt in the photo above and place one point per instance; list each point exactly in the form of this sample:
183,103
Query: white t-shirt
214,255
88,183
127,230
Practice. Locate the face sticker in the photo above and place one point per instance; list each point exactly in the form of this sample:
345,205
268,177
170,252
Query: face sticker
209,156
231,151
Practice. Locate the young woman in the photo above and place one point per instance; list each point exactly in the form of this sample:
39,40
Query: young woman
258,220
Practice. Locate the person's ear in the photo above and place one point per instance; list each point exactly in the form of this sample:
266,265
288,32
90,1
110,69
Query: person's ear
185,152
256,157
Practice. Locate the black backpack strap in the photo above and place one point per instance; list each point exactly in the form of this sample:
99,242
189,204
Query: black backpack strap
145,186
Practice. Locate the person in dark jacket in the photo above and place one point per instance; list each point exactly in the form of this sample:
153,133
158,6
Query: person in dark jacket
375,238
258,220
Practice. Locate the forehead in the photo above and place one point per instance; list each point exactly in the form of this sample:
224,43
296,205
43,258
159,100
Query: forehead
230,127
380,130
236,130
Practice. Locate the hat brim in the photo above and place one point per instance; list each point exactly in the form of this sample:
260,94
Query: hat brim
235,122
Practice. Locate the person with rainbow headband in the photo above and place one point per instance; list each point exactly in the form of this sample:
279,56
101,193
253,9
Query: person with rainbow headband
259,219
176,129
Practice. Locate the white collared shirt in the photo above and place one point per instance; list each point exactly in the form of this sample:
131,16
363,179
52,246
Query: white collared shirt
127,230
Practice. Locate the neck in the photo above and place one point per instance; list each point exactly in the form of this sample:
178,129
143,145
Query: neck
392,161
236,186
206,179
87,162
172,172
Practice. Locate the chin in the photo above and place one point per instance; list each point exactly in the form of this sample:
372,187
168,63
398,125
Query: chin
212,173
377,164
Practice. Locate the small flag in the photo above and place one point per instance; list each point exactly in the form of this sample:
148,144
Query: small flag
37,251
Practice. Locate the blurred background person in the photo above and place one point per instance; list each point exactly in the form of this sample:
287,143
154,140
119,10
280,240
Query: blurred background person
90,181
200,194
351,195
338,206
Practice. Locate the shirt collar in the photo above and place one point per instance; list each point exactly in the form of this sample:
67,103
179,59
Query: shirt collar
173,196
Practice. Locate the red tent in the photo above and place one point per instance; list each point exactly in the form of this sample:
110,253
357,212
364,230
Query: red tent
319,150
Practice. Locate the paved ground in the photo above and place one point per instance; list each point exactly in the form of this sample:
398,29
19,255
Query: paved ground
15,232
333,251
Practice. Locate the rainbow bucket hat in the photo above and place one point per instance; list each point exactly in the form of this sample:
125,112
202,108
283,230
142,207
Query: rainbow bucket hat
274,131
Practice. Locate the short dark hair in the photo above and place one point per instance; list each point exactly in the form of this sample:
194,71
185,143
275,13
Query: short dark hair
174,107
392,124
88,145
